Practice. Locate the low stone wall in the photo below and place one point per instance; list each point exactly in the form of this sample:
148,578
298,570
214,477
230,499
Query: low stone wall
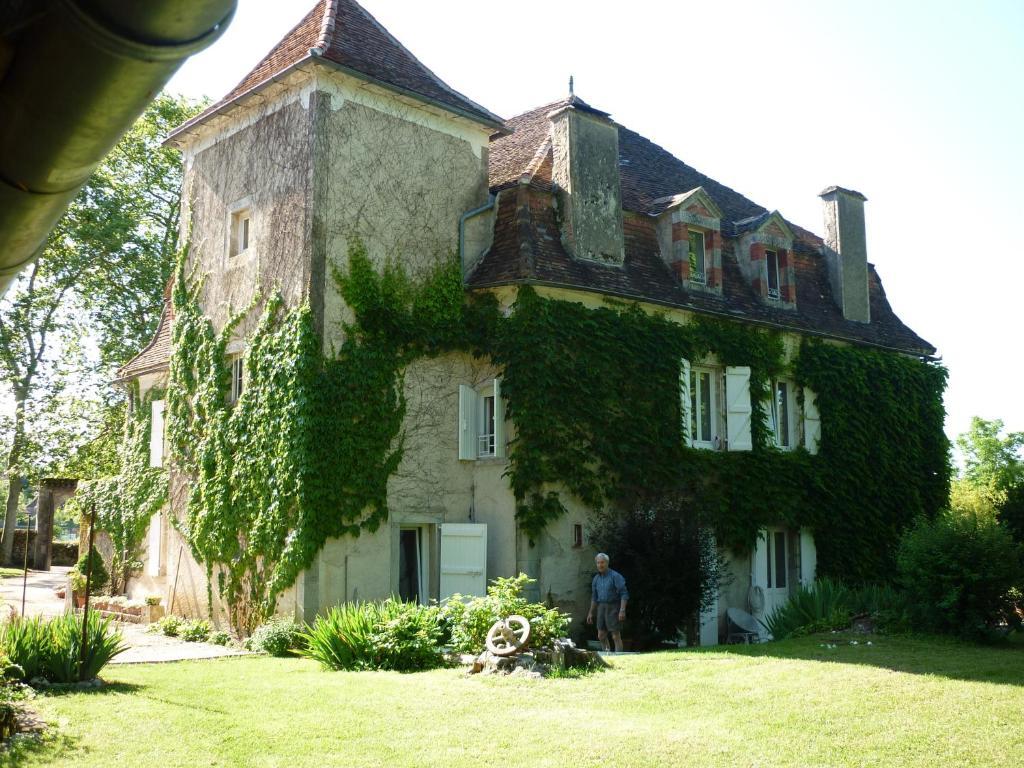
64,553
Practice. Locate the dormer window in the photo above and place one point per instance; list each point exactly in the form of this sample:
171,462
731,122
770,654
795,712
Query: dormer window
772,264
764,252
697,258
690,238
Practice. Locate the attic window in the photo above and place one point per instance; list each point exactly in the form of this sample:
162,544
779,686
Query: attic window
772,263
697,257
240,226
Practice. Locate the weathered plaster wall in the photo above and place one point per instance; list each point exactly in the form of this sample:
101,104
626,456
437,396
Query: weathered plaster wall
267,167
394,175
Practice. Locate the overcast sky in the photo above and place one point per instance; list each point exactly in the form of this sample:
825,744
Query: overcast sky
919,105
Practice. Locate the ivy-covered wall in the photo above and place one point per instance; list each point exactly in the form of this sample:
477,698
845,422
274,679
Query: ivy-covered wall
307,452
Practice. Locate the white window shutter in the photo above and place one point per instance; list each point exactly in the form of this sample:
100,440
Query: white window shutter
155,540
812,421
156,435
463,560
499,420
685,402
467,423
808,557
737,414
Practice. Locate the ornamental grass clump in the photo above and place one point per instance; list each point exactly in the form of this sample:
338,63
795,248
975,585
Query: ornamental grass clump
52,648
822,606
404,637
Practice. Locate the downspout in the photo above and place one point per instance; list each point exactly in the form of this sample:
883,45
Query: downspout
79,75
462,230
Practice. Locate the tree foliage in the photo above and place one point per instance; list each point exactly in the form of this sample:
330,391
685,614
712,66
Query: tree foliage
101,275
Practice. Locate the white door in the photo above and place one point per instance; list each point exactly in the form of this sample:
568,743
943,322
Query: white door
463,559
776,563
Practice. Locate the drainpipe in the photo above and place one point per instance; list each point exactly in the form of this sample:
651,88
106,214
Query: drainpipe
462,229
80,72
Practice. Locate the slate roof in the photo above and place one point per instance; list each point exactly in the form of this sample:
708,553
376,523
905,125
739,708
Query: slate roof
527,246
344,33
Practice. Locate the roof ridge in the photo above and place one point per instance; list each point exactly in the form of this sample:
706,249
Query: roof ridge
415,59
327,24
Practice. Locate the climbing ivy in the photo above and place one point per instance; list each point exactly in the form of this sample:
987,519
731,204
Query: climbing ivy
884,458
126,502
307,451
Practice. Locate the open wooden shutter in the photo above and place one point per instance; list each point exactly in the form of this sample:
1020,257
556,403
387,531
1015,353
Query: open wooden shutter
812,421
808,557
499,420
467,423
737,401
156,435
463,560
685,402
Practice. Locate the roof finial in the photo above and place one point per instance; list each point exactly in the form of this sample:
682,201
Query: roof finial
571,94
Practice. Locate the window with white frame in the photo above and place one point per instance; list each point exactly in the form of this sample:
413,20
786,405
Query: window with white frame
485,426
698,270
241,225
783,414
771,260
237,378
704,407
481,421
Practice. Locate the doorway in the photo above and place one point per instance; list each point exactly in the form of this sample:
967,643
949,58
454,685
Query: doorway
412,564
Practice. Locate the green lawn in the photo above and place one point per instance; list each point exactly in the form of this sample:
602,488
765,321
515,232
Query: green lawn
900,701
5,572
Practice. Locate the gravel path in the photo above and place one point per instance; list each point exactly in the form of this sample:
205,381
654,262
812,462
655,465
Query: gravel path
40,600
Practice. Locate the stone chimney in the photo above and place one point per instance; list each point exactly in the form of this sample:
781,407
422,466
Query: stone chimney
585,153
846,252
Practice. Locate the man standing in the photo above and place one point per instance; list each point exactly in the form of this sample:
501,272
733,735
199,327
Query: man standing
608,597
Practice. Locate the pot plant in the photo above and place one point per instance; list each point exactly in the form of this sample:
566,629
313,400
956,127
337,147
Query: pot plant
153,610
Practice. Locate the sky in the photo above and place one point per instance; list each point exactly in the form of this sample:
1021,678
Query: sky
918,105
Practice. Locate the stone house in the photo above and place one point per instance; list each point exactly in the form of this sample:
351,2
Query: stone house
339,133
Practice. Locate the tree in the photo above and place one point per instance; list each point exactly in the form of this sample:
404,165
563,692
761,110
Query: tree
993,477
102,273
991,459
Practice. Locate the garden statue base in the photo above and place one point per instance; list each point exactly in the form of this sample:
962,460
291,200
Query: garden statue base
539,662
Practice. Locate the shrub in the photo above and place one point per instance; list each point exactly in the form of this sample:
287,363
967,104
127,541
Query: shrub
958,571
168,625
670,561
386,635
887,605
219,638
51,648
466,621
99,579
822,606
154,599
195,631
277,637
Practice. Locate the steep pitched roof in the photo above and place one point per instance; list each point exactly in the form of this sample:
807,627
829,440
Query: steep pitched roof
527,245
343,33
648,173
155,356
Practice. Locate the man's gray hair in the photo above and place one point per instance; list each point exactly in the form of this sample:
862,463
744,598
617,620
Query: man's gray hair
602,556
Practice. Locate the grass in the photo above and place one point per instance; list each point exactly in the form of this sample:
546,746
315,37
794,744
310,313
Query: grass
898,702
6,572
